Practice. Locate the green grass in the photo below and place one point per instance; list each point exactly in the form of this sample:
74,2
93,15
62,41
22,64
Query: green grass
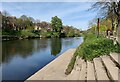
93,47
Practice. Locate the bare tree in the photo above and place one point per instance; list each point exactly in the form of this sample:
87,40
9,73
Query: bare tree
109,8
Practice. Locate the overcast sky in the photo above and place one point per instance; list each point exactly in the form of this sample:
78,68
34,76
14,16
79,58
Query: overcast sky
71,13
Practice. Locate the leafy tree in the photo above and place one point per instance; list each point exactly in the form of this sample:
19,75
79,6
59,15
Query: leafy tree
25,22
24,17
24,26
31,19
71,31
56,24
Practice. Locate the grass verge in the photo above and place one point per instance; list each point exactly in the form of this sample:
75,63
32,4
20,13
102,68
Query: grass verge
93,47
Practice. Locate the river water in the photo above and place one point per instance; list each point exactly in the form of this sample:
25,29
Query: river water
22,58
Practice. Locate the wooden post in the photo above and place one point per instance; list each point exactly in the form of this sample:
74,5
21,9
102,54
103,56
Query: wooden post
98,27
109,34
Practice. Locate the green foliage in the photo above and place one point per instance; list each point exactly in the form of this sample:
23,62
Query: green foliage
93,47
71,65
103,28
56,24
55,34
12,32
27,33
46,34
28,27
70,31
70,34
0,32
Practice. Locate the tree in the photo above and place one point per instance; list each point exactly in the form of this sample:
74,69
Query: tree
8,22
31,19
43,24
56,24
108,8
5,13
0,20
24,17
24,22
70,31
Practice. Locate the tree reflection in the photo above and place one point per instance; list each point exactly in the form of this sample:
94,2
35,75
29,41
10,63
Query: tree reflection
56,46
22,48
13,48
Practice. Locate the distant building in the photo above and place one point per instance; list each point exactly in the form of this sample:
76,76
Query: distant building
37,27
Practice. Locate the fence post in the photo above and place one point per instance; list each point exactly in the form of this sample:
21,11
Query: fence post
98,26
109,34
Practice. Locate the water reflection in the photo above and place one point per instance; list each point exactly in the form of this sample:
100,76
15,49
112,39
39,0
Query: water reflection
22,58
56,46
22,48
12,48
67,41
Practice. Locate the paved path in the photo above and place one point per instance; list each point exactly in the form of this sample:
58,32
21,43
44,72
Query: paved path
56,69
103,68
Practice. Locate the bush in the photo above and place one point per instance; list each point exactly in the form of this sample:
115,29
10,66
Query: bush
46,34
11,32
70,34
55,34
27,33
93,47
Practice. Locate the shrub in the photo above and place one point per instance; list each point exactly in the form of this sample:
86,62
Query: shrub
55,34
27,33
93,47
11,32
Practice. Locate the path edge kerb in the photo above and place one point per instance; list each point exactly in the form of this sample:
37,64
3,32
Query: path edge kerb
52,62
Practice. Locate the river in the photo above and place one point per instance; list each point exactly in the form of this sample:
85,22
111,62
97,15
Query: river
22,58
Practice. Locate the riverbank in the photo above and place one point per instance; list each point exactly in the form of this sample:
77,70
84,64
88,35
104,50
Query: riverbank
93,47
107,66
9,37
56,69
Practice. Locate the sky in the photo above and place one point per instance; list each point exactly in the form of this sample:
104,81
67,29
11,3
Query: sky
72,13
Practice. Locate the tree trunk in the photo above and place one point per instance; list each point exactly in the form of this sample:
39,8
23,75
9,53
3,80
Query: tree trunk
112,25
118,30
112,30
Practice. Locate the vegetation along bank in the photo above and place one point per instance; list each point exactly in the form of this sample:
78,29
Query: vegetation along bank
28,27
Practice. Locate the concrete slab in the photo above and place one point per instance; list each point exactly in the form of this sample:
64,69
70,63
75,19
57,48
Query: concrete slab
56,69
